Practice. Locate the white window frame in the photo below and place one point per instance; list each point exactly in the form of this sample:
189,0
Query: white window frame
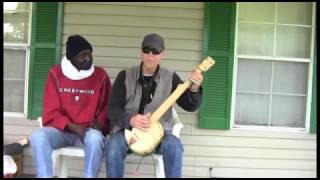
279,59
26,48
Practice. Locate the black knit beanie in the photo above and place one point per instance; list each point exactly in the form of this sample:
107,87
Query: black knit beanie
75,44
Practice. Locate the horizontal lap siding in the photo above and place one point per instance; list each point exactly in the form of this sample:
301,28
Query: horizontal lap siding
115,31
232,153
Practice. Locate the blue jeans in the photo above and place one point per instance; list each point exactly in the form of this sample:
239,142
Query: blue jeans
45,140
117,149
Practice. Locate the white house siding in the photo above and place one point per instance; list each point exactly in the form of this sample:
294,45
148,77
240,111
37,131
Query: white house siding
116,31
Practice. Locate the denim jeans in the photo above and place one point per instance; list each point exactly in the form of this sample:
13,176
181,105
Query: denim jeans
45,140
117,149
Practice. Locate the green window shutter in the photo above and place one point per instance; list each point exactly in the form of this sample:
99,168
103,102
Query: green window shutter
45,50
219,28
313,120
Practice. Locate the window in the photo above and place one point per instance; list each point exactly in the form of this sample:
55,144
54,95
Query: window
274,53
16,50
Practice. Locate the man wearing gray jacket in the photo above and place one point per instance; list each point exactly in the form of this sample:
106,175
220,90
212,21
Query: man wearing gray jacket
136,93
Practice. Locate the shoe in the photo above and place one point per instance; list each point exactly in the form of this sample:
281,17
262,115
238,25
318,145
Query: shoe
9,166
23,141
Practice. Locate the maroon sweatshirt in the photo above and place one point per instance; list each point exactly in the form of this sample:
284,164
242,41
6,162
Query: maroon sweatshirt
77,101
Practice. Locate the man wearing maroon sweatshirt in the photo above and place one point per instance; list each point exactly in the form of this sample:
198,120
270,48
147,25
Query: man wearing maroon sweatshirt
75,109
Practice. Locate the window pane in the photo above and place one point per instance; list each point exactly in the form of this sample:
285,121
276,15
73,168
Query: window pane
14,64
295,13
16,6
254,75
293,42
251,109
288,111
255,11
255,39
290,77
13,96
15,28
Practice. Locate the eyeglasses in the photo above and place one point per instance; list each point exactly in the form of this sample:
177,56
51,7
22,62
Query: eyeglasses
146,50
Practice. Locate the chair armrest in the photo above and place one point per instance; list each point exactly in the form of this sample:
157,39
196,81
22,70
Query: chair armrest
175,117
40,121
177,129
177,124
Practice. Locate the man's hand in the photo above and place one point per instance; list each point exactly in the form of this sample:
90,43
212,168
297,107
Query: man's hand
76,129
196,77
95,125
141,121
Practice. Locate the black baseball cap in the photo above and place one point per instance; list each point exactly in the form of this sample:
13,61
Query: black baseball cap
153,41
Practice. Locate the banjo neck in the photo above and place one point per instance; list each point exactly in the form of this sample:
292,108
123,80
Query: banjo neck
163,108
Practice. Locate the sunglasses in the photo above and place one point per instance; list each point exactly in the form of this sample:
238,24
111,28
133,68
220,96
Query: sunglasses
146,50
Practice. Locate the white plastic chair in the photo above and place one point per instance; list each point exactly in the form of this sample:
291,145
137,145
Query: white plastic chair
59,155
